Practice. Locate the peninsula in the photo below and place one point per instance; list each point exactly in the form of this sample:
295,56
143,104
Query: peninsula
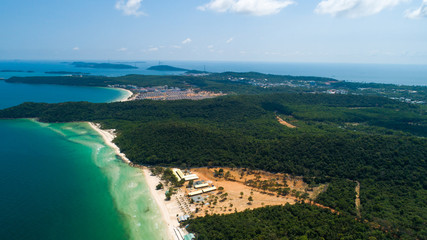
167,68
15,71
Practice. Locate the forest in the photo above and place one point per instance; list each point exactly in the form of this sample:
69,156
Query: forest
339,195
299,221
338,139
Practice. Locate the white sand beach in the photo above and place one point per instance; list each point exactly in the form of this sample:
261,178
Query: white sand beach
169,209
128,97
108,136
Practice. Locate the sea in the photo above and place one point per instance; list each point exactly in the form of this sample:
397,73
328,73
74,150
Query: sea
61,181
400,74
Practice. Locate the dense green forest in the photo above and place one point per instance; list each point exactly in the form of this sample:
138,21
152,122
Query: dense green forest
167,68
374,140
299,221
339,195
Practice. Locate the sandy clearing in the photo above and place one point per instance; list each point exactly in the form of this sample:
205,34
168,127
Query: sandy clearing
358,199
237,202
283,122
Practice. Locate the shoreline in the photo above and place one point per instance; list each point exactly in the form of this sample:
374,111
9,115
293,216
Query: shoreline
169,209
125,98
166,208
108,136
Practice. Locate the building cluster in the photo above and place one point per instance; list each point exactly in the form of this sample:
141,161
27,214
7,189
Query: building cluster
188,94
167,93
198,187
130,87
408,100
336,91
266,83
194,191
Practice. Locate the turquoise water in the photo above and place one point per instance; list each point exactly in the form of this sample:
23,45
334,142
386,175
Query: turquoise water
61,181
51,189
379,73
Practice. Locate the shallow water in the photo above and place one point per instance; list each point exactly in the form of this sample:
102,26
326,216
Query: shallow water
60,181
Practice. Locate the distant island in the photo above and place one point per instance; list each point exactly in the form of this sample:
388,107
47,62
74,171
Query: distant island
167,68
102,65
196,72
65,72
15,71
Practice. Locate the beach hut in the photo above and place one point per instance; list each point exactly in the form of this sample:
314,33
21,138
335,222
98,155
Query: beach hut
210,189
191,177
183,218
202,185
195,193
178,173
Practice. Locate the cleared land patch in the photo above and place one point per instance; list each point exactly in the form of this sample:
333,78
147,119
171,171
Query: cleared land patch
243,189
283,122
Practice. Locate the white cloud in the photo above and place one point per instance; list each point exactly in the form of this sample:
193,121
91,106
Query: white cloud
76,48
229,40
355,8
211,46
122,49
176,46
130,7
252,7
186,41
419,12
153,49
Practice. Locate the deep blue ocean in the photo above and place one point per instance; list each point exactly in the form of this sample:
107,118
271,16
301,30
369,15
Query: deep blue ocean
378,73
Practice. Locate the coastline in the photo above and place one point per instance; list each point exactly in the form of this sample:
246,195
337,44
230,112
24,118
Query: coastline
127,97
108,136
169,209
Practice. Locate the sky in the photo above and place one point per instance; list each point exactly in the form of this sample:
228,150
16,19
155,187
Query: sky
325,31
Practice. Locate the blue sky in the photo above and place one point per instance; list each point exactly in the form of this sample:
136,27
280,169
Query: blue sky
350,31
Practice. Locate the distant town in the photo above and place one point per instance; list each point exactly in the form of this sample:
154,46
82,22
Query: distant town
329,86
167,93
